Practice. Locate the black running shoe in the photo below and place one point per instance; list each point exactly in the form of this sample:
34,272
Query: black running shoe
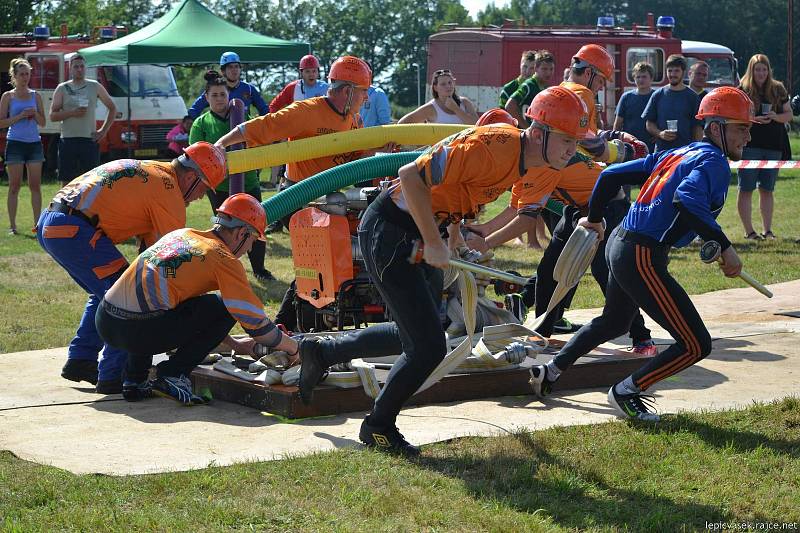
312,369
108,386
565,326
541,386
80,370
637,406
133,391
264,275
386,439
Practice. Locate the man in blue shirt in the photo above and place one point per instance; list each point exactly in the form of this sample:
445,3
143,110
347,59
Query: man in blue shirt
683,191
376,110
231,68
673,102
631,105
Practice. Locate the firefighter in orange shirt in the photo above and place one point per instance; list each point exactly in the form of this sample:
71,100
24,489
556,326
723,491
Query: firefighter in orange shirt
444,185
162,302
104,207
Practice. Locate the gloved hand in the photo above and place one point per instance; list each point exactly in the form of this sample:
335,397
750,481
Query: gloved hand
635,150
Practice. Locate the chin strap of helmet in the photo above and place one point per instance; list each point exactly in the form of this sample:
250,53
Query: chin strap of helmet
545,129
723,140
241,244
191,188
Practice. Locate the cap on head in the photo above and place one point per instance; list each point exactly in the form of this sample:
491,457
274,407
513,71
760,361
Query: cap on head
496,116
242,210
560,111
229,57
727,104
352,70
309,61
597,57
207,160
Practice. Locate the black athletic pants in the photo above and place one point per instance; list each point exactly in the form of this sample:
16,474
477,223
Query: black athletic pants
639,279
259,249
412,293
194,328
544,285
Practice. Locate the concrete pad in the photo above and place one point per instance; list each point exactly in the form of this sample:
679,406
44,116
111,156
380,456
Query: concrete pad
46,419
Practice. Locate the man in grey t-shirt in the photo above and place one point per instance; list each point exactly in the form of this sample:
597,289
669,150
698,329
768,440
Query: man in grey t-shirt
74,105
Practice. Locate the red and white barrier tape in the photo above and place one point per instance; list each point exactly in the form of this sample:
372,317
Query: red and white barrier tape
755,164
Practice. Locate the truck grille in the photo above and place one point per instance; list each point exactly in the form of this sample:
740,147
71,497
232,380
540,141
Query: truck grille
154,135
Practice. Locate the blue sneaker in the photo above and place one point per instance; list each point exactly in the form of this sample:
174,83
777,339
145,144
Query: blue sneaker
178,389
133,391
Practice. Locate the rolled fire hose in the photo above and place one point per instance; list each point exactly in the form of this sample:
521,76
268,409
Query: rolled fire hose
339,143
571,265
236,117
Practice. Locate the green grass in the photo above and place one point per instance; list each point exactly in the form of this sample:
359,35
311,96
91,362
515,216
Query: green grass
31,282
741,466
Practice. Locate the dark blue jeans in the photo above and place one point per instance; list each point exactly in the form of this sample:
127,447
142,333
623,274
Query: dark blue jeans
412,293
76,155
193,328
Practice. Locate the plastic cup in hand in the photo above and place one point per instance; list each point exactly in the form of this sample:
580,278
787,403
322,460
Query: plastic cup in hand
766,108
672,125
83,102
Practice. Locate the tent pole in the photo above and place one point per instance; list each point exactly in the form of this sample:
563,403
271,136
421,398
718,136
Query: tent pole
130,149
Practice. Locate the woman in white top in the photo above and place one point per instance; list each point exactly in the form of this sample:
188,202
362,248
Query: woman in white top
446,107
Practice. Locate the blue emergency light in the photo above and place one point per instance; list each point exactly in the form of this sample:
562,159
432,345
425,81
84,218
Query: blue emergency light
605,22
41,32
665,23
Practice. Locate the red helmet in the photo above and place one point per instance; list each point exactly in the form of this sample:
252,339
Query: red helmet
352,70
561,111
207,160
597,57
496,116
246,210
727,103
309,61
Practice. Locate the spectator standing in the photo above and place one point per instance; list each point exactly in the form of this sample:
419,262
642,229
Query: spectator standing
631,105
231,67
543,68
210,127
22,112
446,107
308,85
767,136
698,76
670,113
178,136
376,110
74,105
526,69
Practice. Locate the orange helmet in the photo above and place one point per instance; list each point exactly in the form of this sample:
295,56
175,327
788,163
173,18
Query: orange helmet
561,111
496,116
244,210
352,70
597,57
207,160
309,61
728,104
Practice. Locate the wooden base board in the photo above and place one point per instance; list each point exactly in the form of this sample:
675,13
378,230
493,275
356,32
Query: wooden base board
601,368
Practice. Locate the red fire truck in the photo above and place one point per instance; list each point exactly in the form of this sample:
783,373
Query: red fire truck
484,59
155,103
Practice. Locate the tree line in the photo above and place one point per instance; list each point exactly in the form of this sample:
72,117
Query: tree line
392,34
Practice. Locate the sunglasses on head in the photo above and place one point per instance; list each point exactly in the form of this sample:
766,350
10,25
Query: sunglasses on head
442,72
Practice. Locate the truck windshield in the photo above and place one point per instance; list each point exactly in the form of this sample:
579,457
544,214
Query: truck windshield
720,70
146,80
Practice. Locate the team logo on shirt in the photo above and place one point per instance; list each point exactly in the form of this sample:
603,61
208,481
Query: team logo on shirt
123,168
171,252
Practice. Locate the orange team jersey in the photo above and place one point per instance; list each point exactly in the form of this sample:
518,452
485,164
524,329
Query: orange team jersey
188,263
469,169
300,120
588,98
130,198
571,185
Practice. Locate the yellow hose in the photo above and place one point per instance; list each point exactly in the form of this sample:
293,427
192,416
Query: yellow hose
338,143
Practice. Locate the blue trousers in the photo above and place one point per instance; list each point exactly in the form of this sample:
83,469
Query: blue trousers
92,260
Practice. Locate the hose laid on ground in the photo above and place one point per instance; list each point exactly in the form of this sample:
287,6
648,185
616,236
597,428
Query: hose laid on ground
339,143
298,195
571,265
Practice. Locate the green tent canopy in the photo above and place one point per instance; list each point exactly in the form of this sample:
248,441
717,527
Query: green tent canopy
191,33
